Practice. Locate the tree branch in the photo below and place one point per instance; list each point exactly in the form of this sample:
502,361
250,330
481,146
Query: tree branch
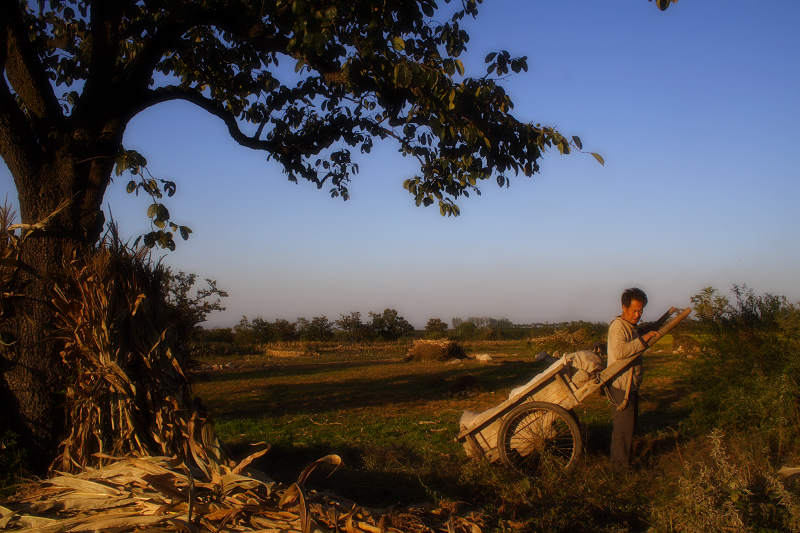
105,20
166,94
23,68
17,140
169,33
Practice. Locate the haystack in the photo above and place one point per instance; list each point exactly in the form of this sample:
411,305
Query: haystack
435,350
124,350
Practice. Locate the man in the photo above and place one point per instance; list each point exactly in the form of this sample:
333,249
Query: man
625,341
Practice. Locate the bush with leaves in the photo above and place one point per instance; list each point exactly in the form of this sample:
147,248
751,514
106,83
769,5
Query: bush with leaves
727,490
747,376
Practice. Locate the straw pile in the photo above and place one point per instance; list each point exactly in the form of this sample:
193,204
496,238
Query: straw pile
128,394
162,494
563,336
435,350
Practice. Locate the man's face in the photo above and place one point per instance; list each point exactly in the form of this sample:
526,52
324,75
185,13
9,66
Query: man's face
633,313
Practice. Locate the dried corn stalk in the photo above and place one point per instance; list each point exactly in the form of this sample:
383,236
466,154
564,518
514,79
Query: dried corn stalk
161,494
128,394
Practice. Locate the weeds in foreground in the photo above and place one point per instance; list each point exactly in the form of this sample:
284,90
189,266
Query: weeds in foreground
723,492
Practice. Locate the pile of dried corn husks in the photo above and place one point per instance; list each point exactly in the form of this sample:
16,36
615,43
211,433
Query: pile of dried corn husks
122,347
162,494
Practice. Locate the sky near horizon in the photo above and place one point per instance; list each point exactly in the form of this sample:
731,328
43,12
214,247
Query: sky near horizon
695,111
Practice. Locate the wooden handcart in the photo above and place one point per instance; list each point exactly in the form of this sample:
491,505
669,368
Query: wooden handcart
536,426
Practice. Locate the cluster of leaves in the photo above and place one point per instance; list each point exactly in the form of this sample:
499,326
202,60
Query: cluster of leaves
748,374
164,228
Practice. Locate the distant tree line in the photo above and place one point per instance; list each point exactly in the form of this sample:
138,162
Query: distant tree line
386,326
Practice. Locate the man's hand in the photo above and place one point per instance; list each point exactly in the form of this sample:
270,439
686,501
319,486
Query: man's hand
649,335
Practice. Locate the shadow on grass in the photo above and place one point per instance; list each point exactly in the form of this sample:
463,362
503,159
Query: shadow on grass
273,370
656,427
353,480
272,399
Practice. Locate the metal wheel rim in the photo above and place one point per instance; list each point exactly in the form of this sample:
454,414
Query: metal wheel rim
539,437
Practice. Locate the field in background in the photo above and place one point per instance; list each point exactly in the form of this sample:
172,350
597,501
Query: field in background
394,423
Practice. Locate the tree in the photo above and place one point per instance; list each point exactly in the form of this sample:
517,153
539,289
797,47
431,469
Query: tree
75,72
318,329
283,330
193,307
389,325
436,328
353,328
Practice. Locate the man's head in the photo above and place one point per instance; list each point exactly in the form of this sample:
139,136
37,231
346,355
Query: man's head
633,302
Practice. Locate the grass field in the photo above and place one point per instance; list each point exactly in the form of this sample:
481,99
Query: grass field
394,423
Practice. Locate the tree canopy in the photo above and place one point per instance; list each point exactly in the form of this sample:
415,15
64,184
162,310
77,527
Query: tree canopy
306,82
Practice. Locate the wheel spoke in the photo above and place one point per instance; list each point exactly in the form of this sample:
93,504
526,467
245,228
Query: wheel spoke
538,433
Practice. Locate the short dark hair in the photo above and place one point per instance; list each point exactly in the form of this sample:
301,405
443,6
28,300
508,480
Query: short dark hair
633,293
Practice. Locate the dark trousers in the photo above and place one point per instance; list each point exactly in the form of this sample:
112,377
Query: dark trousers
623,428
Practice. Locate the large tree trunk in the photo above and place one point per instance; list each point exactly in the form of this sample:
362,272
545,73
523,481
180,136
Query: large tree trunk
34,378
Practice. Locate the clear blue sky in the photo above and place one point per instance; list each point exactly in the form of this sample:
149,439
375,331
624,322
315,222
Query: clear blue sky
694,109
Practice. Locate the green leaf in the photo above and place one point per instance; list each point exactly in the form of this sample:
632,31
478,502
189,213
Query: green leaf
599,158
185,231
402,75
398,43
490,57
577,141
459,67
131,186
152,210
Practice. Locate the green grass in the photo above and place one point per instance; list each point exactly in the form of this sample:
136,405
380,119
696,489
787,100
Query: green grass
394,424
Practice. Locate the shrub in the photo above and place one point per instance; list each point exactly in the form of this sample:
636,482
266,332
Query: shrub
747,376
725,493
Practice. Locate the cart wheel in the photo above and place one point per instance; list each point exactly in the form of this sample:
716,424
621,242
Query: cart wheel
536,434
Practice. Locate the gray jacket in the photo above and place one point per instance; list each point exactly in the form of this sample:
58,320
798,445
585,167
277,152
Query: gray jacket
624,342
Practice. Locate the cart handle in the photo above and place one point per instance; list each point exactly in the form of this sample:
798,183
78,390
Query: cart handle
669,326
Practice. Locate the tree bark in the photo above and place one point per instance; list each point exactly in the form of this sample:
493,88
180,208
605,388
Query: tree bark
33,376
